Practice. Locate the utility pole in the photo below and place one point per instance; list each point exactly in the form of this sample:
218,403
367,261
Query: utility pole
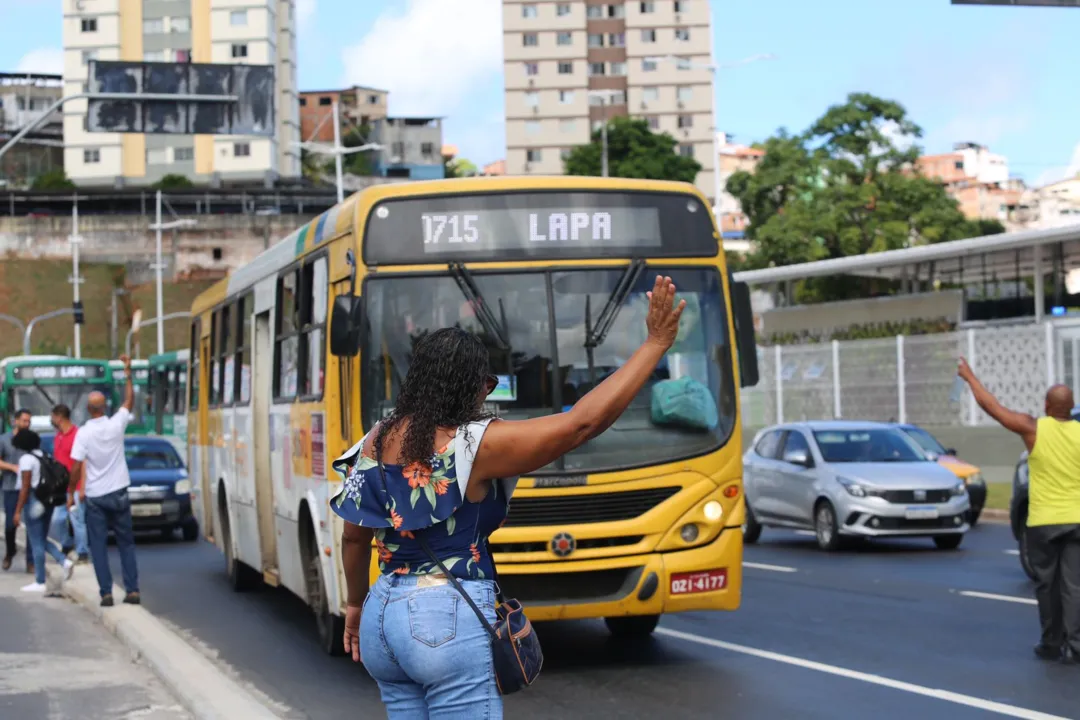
75,241
338,174
159,265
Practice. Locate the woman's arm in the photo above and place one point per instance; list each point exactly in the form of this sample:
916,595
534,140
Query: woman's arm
356,559
512,448
24,494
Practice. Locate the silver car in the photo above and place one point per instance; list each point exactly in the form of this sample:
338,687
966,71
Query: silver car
850,479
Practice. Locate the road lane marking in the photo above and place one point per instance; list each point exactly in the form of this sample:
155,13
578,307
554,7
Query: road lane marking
1012,552
773,568
1003,598
946,695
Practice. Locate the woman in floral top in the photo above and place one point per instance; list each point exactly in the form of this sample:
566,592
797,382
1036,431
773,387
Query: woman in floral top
443,479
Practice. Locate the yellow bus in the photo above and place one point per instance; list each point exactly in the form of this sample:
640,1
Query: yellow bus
295,355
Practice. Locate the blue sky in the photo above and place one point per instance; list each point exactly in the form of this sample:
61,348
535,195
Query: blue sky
997,75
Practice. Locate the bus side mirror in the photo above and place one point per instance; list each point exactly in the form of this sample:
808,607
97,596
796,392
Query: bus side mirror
745,340
346,325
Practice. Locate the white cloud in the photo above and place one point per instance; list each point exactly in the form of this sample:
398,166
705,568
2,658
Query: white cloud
42,60
433,57
305,11
1054,174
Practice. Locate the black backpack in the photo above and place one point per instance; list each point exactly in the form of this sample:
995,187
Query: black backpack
52,487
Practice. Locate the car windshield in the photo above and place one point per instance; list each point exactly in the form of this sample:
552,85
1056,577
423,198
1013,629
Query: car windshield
867,446
151,455
925,440
41,397
546,369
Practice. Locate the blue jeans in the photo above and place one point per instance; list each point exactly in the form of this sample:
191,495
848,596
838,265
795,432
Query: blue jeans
38,518
11,501
105,513
75,536
78,525
427,650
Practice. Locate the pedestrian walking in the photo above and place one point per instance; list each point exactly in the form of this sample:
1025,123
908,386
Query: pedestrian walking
432,504
100,479
63,443
1053,524
38,514
9,486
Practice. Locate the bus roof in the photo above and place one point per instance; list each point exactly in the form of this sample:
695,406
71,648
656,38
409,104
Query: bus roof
341,217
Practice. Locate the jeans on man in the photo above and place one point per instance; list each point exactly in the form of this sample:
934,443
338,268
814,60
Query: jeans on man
77,515
105,513
11,501
1054,554
38,519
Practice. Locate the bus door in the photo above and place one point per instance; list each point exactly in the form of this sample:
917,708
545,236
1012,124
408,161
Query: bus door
261,392
202,440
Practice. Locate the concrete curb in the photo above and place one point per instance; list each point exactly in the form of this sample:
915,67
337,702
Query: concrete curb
202,687
994,516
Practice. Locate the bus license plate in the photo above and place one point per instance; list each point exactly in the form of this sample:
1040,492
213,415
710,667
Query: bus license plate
921,513
696,582
146,509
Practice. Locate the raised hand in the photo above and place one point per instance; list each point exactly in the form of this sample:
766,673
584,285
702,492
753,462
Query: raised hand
663,318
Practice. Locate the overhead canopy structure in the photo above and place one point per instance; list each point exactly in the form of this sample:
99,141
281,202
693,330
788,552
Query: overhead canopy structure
990,258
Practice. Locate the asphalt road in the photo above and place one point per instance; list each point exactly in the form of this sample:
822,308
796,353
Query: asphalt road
889,630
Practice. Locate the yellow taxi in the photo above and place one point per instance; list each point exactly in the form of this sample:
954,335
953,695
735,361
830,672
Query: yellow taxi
970,474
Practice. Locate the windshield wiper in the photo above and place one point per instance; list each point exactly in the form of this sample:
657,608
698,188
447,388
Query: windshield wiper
595,334
471,291
41,389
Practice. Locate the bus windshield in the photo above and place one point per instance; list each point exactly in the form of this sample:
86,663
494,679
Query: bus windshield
40,399
524,348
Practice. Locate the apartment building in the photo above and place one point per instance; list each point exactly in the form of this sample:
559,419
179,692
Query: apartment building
977,179
570,65
357,106
24,98
259,32
411,147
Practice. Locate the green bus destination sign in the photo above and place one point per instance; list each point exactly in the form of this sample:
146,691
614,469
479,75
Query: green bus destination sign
30,373
538,225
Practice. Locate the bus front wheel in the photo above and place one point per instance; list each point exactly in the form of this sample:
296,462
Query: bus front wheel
330,626
632,627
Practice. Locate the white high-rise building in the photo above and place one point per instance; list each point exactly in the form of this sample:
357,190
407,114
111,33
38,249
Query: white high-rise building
570,64
260,32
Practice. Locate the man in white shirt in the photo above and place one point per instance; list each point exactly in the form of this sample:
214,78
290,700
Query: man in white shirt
100,463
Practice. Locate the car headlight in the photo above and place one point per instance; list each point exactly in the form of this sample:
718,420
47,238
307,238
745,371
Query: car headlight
853,488
182,487
974,479
1022,473
959,489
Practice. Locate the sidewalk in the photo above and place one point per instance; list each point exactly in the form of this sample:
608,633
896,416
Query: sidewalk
55,662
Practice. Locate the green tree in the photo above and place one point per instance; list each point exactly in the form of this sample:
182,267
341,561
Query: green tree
455,167
358,163
173,181
846,186
52,180
634,151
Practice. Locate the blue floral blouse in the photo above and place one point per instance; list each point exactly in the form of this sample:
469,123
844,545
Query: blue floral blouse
428,501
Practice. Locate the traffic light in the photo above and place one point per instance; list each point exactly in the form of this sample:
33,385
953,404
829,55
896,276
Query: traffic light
79,317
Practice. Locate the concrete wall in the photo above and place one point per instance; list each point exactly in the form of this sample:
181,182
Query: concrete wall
993,449
824,317
216,244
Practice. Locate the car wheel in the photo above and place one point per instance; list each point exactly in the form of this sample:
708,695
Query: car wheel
632,627
751,529
191,531
1024,562
948,542
825,528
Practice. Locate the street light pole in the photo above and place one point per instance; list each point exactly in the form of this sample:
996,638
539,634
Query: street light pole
337,158
157,275
603,138
75,240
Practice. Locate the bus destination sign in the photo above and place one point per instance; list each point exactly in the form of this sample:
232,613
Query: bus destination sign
538,225
58,372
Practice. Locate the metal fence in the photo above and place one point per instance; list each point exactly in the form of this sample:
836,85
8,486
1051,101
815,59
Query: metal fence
902,379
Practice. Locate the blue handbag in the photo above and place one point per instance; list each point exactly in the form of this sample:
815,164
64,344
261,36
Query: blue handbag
515,648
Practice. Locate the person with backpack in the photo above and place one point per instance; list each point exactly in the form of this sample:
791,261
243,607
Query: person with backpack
44,486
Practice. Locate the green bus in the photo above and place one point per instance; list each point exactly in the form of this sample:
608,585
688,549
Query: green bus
168,394
39,382
142,420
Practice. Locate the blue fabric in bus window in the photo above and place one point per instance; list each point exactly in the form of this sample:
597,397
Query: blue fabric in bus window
684,403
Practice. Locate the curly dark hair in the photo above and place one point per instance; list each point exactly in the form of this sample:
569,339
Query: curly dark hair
447,375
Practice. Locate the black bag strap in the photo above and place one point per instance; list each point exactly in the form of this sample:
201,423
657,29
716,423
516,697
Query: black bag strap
453,580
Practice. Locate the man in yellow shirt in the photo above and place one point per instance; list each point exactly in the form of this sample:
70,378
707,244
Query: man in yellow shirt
1053,525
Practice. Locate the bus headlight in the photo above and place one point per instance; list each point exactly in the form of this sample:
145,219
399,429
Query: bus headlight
713,511
182,487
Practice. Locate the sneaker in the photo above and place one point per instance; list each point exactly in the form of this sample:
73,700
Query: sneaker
106,601
83,559
7,563
1048,652
69,568
132,598
34,587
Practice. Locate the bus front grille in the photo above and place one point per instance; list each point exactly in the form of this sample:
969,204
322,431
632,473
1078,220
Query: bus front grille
564,588
579,509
